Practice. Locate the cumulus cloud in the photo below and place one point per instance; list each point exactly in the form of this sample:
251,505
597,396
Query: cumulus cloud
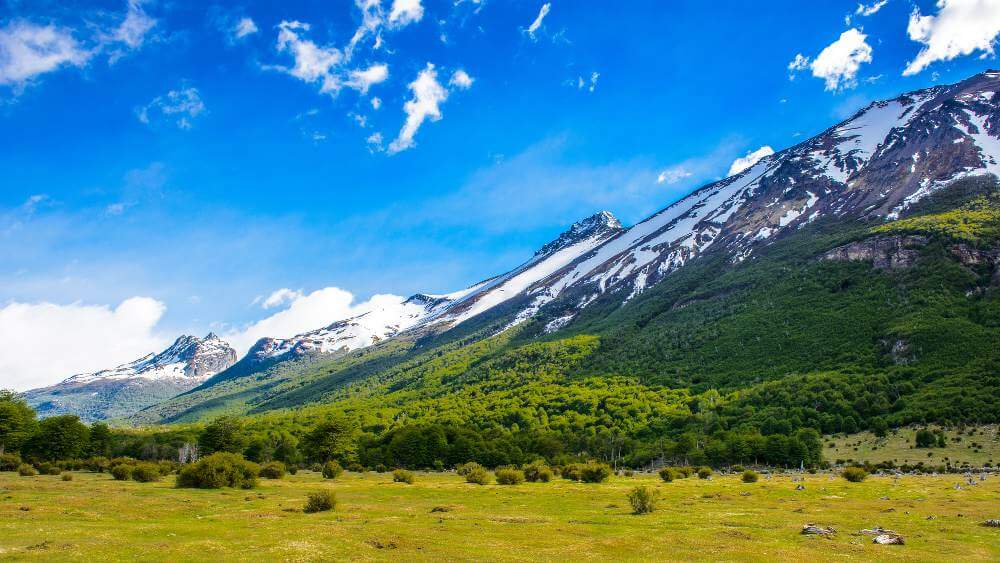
673,175
839,62
428,95
362,80
44,343
461,79
870,9
28,51
244,27
405,12
184,104
749,159
305,312
279,297
537,24
961,27
133,29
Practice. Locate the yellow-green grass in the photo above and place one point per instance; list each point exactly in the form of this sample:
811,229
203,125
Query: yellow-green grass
94,518
899,446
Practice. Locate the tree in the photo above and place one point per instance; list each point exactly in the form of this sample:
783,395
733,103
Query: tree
59,437
224,434
333,438
17,421
925,438
100,440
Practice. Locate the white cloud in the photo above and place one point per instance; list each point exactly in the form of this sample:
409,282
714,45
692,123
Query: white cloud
372,19
43,343
244,27
405,12
362,80
428,95
839,62
870,9
28,50
376,102
749,159
313,63
133,29
186,104
961,27
280,297
305,312
537,24
590,84
461,79
673,175
375,142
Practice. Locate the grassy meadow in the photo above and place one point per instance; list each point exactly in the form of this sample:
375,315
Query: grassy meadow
440,516
975,445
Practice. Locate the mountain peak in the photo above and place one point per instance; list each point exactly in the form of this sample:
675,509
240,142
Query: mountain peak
597,224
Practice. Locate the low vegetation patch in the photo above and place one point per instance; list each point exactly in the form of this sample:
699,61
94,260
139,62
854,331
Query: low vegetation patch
537,472
509,476
643,499
332,470
219,470
403,476
478,475
272,470
320,501
749,476
25,470
854,474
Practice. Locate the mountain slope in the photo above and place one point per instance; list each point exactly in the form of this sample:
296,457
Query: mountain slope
729,285
131,387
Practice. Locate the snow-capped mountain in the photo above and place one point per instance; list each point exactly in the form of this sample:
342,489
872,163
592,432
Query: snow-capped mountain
130,387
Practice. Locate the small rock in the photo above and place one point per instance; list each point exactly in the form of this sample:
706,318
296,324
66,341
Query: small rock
814,530
888,539
992,523
800,488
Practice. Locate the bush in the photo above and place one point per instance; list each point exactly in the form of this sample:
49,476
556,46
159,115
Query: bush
595,472
643,500
219,470
355,467
121,472
509,476
167,467
320,501
478,475
854,474
273,470
750,476
537,471
67,476
25,470
146,472
925,439
403,476
10,462
572,472
668,474
704,473
332,470
97,464
467,468
46,468
685,472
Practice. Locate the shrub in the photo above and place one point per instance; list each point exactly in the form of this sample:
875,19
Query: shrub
355,467
854,474
25,470
685,471
925,439
167,467
537,471
595,472
46,468
509,476
750,476
273,470
628,473
67,476
704,473
293,469
643,500
320,501
467,468
146,472
219,470
668,474
121,472
10,462
572,472
332,470
403,476
478,475
97,464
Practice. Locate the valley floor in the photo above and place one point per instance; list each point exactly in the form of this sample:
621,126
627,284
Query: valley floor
440,517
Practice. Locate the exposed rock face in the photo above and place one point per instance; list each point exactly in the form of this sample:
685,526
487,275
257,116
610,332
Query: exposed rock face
128,388
884,252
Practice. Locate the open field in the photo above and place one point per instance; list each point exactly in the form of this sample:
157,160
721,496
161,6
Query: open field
96,518
975,445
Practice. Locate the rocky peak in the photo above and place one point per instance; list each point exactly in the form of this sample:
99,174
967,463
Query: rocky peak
595,225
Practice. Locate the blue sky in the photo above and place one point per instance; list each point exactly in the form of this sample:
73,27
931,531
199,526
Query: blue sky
202,156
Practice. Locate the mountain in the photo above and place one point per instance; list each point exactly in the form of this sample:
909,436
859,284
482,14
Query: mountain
128,388
772,273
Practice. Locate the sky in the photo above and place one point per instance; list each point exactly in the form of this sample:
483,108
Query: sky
262,169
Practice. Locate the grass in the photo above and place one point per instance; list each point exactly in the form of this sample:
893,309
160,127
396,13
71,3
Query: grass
899,446
95,517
